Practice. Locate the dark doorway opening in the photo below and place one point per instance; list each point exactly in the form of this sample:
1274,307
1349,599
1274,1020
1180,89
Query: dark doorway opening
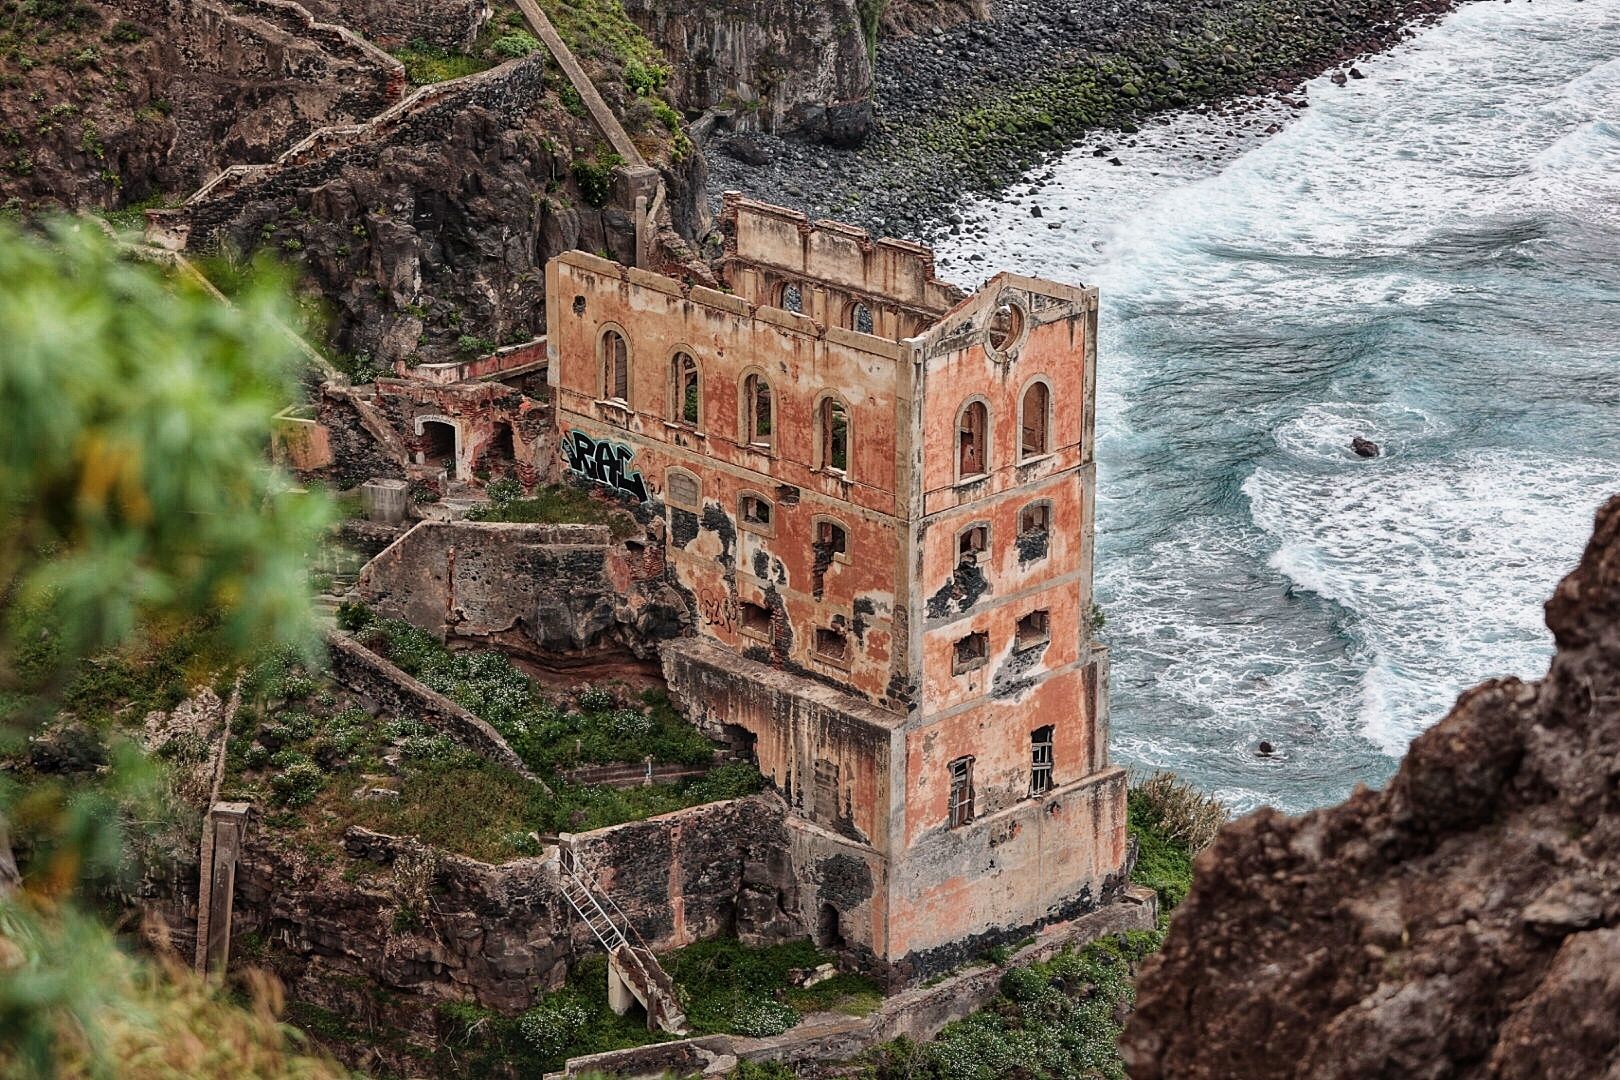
439,444
500,456
829,935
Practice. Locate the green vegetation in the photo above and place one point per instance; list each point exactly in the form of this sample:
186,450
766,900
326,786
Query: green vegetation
1172,822
594,175
726,987
600,30
505,37
425,64
323,763
552,505
141,521
1051,1021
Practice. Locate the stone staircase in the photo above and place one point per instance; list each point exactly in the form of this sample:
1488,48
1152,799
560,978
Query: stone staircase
634,973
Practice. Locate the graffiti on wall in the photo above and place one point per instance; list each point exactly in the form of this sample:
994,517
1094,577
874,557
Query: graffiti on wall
602,462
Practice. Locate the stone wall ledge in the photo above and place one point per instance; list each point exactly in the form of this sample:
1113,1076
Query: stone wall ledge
917,1014
366,673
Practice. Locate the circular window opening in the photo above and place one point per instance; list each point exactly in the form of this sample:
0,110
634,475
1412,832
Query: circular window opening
1006,326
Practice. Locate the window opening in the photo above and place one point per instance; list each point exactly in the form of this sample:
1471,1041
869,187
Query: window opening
615,366
686,394
961,804
834,435
1037,403
1033,629
757,409
1040,760
793,297
832,644
971,456
756,619
860,318
974,541
972,652
756,511
1006,324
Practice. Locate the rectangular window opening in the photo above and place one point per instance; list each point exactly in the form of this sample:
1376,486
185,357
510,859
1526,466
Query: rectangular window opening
832,644
973,542
1040,760
972,652
1035,519
1033,629
756,511
961,805
756,619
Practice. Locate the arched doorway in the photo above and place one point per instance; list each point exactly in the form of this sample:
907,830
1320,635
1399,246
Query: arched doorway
829,934
439,444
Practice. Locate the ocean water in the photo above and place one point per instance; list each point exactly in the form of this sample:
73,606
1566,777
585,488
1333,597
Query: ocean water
1429,257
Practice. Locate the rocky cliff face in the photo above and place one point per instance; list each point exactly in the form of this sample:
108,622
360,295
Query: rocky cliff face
428,235
1464,922
131,99
781,64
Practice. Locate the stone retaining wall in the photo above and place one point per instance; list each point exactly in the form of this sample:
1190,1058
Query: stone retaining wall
371,676
915,1014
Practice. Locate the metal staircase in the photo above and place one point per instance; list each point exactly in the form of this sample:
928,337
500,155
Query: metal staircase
633,970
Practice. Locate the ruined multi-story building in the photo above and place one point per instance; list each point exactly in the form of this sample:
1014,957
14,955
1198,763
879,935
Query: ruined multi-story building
877,494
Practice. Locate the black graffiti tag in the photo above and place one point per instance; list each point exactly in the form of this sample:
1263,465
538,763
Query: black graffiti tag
604,463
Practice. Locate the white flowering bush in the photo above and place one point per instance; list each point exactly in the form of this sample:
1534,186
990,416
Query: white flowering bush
553,1025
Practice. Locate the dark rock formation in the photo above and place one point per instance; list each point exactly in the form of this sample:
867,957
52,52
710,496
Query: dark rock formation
129,99
1464,922
429,235
1365,448
781,64
445,24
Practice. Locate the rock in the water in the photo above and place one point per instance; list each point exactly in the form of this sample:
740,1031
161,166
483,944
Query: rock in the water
1462,922
1364,447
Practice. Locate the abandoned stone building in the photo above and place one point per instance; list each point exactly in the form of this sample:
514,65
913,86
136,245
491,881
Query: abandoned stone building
876,495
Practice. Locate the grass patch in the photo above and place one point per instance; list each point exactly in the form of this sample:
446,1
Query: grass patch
726,987
311,755
552,505
426,64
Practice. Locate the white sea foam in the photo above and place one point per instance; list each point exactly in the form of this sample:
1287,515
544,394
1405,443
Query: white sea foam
1442,566
1384,266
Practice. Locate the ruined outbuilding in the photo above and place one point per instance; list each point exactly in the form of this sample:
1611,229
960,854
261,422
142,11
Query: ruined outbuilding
876,495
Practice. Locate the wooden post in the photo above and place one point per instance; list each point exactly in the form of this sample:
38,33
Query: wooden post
226,825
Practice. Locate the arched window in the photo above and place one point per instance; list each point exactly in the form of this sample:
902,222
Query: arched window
615,366
859,318
757,415
1035,422
972,454
832,424
793,297
685,395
